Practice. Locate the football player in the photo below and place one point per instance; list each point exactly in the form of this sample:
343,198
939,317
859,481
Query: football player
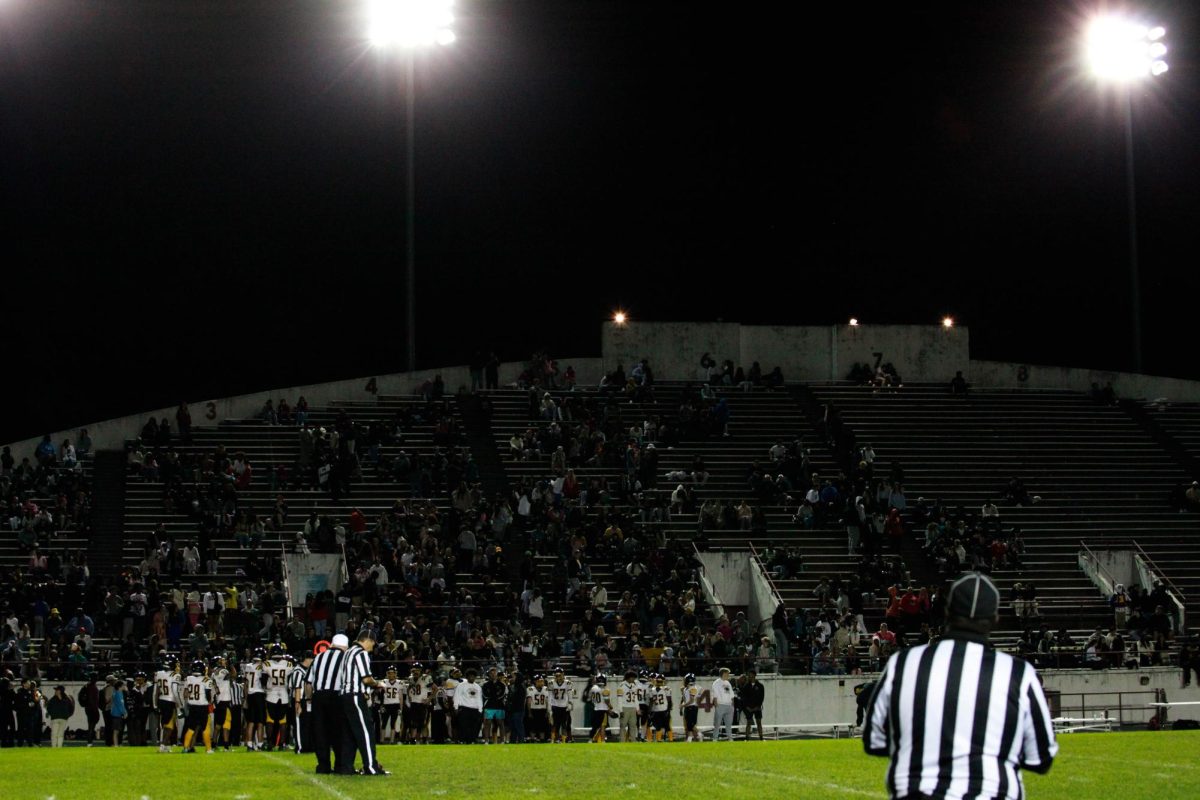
197,694
418,693
393,690
629,698
222,716
277,670
166,691
643,709
255,673
562,697
689,697
602,708
537,709
660,710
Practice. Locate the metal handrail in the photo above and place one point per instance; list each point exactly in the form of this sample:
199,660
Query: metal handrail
1096,561
1161,573
766,573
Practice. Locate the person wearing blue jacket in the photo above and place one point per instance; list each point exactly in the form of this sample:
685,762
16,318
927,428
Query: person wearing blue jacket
119,712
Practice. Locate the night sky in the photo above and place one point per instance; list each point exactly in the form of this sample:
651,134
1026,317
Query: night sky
203,197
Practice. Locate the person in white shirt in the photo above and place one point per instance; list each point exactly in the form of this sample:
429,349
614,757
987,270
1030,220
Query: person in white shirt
255,674
278,669
689,697
629,695
392,690
562,696
537,710
468,706
599,597
602,700
722,696
418,695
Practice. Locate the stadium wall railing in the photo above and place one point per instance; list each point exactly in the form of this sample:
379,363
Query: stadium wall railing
817,701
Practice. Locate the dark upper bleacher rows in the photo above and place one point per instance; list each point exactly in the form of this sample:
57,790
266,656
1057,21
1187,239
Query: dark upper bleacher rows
1091,473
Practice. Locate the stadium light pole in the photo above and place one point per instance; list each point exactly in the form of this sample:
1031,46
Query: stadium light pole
410,25
1122,52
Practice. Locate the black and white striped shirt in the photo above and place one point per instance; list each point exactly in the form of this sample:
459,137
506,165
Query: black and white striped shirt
959,719
295,680
237,692
355,668
325,674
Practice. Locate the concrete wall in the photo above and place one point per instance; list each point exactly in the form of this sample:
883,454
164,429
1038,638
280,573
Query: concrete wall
810,699
112,434
673,348
1126,384
729,571
806,353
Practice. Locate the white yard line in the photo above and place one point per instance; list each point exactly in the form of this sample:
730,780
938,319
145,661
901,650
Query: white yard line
1064,757
783,776
315,780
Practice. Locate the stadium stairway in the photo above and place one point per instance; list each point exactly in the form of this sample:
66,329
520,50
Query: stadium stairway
477,426
1177,428
108,492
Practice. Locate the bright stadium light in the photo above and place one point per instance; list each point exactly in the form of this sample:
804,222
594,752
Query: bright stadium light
1121,50
411,23
620,317
947,322
854,322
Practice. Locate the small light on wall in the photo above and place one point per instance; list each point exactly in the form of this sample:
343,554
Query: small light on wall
947,322
854,322
620,318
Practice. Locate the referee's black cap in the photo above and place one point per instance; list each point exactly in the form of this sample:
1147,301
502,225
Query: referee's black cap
973,596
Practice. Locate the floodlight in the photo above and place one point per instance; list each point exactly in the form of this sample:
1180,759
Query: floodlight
854,322
947,322
411,23
619,317
1121,50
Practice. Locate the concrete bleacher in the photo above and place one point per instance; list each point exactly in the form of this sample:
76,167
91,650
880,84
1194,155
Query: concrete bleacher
758,420
1100,477
266,445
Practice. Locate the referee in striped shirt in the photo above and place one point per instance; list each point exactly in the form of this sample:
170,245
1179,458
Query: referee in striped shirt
956,718
325,678
357,681
237,701
300,706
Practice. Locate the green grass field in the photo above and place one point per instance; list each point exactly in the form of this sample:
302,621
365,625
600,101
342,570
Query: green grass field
1126,765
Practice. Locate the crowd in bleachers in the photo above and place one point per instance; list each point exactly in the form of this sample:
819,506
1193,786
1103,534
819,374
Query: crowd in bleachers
451,574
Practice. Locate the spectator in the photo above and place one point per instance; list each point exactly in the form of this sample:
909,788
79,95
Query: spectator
59,709
959,385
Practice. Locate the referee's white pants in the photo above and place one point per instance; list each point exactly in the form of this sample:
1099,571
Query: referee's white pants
723,715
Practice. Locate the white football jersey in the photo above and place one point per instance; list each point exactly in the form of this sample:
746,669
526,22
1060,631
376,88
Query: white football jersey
539,699
277,674
196,690
393,692
562,694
